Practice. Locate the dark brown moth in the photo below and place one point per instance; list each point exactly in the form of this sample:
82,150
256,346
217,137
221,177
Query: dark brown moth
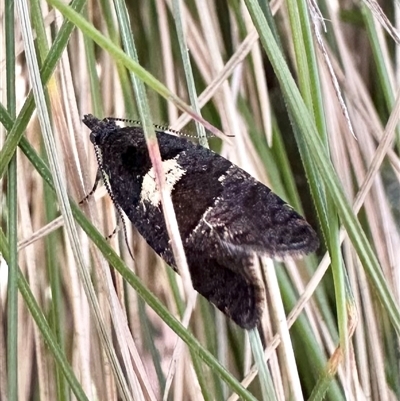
225,216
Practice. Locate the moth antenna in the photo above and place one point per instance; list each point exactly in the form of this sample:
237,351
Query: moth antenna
93,190
171,131
111,195
124,120
165,128
109,236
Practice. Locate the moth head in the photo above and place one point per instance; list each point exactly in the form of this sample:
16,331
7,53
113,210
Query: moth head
100,128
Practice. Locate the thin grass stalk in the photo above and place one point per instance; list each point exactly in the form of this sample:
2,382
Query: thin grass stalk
55,284
12,293
267,387
381,57
278,312
178,17
167,55
205,388
61,385
125,85
12,217
96,98
312,354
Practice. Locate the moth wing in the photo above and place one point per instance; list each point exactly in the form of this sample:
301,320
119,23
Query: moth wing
239,296
249,217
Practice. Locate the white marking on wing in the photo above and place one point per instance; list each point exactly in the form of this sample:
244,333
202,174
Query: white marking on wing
173,172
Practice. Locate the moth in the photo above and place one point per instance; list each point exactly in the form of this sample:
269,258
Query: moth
225,216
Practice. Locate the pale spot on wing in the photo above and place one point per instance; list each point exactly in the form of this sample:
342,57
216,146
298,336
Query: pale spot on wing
172,172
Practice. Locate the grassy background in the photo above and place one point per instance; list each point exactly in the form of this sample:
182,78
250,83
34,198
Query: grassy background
314,116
